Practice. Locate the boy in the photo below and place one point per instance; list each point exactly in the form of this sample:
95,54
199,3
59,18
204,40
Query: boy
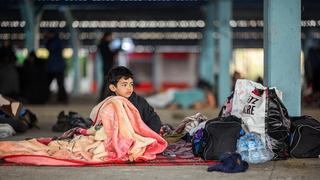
120,83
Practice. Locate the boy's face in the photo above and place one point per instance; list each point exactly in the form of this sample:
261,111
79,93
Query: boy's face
123,88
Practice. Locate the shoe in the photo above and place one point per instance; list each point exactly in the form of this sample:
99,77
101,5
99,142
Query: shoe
62,123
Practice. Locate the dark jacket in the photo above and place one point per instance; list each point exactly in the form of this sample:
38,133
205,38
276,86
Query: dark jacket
108,56
55,63
148,115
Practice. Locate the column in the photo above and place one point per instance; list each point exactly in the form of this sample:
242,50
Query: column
282,50
225,49
207,51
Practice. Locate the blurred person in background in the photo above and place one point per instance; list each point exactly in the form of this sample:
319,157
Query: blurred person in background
108,59
33,80
200,97
259,80
56,65
236,75
312,69
9,77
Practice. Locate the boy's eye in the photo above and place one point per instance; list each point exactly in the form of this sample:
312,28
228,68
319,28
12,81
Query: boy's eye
126,84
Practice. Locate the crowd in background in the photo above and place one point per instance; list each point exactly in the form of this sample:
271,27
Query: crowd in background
30,82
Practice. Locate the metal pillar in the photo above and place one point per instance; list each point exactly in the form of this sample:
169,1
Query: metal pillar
225,49
207,57
32,18
282,50
75,46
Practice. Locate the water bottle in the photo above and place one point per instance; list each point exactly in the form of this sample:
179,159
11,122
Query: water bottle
254,156
258,153
242,144
260,144
245,155
252,143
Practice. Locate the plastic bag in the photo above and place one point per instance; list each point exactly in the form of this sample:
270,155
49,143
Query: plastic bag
252,149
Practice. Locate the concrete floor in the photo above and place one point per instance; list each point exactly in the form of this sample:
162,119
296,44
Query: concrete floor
289,169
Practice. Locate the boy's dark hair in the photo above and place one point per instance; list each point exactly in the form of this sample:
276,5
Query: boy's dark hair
114,75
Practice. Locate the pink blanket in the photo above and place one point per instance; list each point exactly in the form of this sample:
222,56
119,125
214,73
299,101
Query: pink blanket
118,135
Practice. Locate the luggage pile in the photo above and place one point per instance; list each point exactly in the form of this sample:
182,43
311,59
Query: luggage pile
255,123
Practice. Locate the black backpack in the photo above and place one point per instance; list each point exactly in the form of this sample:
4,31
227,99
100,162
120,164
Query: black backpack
305,137
220,135
277,124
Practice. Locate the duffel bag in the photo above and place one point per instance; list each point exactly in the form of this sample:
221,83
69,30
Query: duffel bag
305,137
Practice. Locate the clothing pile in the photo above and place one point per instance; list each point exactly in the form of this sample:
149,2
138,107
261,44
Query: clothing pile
14,117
